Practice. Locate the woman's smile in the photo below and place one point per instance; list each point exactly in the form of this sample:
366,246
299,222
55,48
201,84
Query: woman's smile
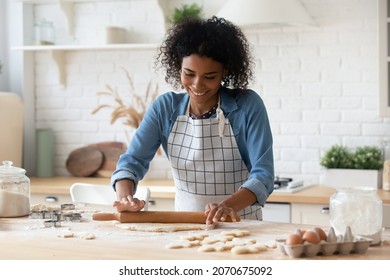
201,77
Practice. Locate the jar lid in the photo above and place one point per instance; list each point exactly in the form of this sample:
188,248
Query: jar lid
8,169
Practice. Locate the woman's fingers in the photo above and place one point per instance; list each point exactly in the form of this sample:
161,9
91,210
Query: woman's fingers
216,213
126,204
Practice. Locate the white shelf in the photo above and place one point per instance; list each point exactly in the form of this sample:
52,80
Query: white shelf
56,1
87,47
57,53
66,7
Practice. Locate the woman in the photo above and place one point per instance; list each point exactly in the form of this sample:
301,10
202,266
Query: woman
216,134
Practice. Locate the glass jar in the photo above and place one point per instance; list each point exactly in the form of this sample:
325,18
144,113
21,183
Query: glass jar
359,208
386,166
44,33
14,191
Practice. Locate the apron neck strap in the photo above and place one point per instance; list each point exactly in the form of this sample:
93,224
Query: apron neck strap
220,117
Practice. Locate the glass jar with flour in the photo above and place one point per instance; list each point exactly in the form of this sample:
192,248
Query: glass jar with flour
14,191
360,208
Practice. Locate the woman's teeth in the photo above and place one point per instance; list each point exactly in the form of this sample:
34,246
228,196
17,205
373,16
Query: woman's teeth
198,93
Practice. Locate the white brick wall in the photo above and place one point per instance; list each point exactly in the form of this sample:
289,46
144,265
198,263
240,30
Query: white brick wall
320,85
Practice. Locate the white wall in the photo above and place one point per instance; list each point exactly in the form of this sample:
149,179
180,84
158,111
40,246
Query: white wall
320,85
3,53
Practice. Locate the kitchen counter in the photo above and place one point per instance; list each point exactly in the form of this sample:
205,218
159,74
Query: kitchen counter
26,239
317,194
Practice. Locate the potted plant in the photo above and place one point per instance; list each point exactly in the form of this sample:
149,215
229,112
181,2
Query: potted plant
186,11
346,167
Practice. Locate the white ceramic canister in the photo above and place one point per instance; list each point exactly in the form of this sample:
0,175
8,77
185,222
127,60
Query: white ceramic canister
115,35
357,207
14,191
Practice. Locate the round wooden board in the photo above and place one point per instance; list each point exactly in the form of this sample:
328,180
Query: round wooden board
85,161
111,152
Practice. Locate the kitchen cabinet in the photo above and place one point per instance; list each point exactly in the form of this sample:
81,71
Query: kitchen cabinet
384,57
277,212
310,214
161,204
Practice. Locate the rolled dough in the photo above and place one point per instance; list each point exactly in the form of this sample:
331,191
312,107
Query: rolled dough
161,227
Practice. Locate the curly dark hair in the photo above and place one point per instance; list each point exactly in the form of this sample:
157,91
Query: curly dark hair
215,38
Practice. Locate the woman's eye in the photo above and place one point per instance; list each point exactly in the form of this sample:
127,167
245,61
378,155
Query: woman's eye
210,78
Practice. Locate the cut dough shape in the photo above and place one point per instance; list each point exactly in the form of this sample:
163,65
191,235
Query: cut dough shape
162,227
217,238
241,241
66,235
182,244
215,247
87,236
270,244
236,232
206,248
248,249
192,237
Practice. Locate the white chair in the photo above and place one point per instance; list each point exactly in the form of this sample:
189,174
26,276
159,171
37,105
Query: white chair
102,194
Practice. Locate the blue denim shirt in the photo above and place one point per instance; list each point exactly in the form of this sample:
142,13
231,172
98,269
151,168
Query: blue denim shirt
248,118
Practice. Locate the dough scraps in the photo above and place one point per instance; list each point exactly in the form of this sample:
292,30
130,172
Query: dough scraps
162,227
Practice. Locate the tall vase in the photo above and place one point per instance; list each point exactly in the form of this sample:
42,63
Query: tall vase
45,152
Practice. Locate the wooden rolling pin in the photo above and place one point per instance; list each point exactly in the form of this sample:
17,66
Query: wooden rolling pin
155,217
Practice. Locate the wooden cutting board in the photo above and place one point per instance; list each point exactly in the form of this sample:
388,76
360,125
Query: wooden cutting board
85,161
98,159
111,152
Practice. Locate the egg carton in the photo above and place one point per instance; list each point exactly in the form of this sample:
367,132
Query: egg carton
342,245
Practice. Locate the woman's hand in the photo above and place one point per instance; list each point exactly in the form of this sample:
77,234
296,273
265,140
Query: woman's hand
126,201
129,203
219,212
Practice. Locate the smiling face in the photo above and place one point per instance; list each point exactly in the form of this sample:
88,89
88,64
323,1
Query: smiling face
201,78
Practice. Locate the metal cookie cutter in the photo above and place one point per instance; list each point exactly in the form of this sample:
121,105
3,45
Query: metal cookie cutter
67,206
44,214
52,223
71,217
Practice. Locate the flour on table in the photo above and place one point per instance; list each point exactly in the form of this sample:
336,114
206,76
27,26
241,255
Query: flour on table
163,227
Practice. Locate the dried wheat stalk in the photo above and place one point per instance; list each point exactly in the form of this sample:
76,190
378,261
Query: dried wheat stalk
132,113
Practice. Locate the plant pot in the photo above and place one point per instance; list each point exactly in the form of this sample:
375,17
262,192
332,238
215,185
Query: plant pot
352,178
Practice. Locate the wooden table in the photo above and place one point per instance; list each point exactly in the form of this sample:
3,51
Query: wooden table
27,239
